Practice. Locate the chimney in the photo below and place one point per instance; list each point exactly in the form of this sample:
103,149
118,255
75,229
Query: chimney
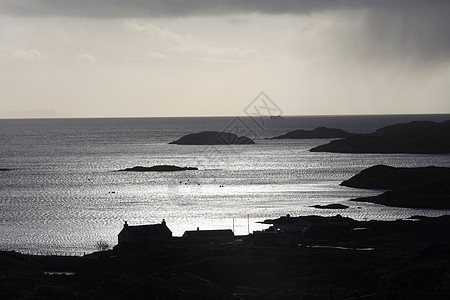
163,222
125,225
198,228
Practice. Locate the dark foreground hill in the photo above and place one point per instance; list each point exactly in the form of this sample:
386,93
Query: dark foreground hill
318,133
213,138
426,187
415,137
387,260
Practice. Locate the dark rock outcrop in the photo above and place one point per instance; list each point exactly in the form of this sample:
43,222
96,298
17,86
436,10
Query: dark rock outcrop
415,137
160,168
434,195
426,187
318,133
388,178
213,138
331,206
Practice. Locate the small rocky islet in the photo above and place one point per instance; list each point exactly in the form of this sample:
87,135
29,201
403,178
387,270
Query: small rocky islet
330,206
158,168
213,138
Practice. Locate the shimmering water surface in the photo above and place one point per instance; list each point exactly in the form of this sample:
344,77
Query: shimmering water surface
63,194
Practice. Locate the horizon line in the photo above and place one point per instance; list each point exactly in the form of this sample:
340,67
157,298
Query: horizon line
218,116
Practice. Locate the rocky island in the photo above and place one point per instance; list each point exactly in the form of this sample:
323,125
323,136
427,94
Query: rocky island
159,168
331,206
318,133
419,137
213,138
425,187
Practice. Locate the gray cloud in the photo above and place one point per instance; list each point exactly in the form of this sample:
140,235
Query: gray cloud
408,35
413,27
176,8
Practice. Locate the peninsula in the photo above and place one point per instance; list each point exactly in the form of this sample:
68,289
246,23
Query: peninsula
419,137
213,138
425,187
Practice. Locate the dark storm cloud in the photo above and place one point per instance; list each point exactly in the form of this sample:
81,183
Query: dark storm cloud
175,8
410,32
397,27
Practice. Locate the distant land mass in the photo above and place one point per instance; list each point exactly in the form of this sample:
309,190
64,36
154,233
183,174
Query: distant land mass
159,168
417,137
5,170
213,138
318,133
425,187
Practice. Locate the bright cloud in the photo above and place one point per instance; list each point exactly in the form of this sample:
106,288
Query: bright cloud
32,54
157,55
163,33
87,56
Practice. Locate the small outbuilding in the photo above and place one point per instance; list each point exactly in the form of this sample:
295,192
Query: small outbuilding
145,235
220,234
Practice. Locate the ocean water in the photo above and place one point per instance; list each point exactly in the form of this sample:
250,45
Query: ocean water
64,194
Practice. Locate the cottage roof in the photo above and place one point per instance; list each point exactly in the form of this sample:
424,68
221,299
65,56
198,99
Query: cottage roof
154,229
146,230
208,233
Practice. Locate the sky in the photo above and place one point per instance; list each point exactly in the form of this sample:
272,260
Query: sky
168,58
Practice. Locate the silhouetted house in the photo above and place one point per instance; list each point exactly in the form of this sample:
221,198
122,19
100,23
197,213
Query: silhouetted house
221,234
145,235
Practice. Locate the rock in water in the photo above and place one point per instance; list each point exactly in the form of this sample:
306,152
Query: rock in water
331,206
159,168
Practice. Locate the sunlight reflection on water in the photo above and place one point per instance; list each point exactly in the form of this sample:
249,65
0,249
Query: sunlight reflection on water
64,198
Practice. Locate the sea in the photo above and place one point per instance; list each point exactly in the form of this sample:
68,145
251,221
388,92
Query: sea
63,193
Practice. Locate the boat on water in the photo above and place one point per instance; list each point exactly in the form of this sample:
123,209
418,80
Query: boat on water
278,117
